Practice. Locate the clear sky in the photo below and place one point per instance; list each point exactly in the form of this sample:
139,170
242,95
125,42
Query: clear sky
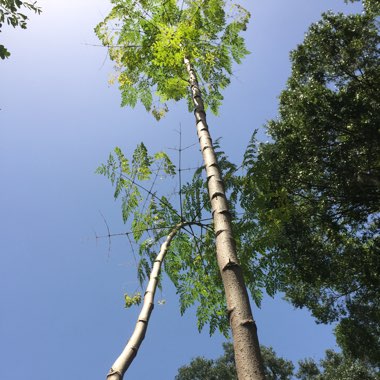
61,291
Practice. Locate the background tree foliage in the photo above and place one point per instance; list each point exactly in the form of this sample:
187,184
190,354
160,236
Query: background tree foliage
223,368
10,13
312,195
370,6
334,366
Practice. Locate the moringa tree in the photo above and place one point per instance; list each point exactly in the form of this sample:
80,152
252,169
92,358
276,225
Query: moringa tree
160,49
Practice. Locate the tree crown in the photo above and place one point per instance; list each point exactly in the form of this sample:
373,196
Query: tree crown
149,39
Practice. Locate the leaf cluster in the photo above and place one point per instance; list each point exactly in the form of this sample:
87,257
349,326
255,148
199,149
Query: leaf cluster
135,299
148,41
10,14
335,366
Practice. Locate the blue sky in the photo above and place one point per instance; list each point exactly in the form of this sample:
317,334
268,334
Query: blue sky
61,291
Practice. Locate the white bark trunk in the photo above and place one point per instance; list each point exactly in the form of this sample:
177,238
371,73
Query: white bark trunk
244,331
125,359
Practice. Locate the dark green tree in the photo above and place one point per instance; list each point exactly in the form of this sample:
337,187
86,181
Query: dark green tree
312,195
334,366
10,14
201,368
223,368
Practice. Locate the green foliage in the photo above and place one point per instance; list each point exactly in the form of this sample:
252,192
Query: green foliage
148,41
126,176
10,13
223,368
4,53
361,329
132,300
311,197
256,267
334,366
191,267
371,6
190,262
201,368
276,368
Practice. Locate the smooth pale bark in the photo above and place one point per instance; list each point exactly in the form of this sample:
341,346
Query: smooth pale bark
248,359
125,359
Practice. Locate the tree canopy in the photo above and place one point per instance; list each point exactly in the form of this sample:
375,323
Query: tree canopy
370,6
200,368
148,41
10,13
334,366
312,195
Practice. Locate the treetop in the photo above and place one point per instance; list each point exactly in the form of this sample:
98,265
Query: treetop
149,39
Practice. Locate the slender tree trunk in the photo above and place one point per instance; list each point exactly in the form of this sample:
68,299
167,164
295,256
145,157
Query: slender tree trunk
125,359
248,359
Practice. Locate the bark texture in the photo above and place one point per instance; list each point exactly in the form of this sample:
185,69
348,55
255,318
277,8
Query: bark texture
248,359
125,359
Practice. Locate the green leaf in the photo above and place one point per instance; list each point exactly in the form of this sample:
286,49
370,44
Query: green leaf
135,299
4,53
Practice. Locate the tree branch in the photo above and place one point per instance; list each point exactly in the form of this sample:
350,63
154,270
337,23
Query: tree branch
125,359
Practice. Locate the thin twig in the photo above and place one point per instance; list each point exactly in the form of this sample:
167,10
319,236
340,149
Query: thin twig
109,233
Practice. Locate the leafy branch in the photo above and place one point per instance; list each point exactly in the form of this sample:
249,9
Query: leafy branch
10,13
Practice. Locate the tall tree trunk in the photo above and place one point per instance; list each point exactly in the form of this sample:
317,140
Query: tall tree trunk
125,359
244,331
